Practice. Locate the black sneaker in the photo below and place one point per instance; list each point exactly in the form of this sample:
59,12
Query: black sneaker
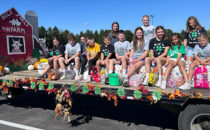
40,77
107,80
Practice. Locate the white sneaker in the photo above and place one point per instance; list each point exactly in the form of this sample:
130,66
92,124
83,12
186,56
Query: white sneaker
63,76
158,84
185,86
88,78
163,85
78,77
146,80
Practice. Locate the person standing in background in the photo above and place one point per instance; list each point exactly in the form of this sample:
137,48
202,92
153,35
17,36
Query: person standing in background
114,32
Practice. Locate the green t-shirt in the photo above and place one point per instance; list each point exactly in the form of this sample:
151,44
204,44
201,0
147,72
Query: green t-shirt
174,53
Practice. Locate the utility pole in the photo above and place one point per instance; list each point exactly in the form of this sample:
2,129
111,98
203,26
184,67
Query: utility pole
152,17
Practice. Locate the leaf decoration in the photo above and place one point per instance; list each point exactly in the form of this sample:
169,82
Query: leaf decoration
4,81
50,86
156,95
73,88
11,83
137,94
41,85
97,90
33,85
121,92
85,89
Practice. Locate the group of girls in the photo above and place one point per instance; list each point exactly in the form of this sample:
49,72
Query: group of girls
151,46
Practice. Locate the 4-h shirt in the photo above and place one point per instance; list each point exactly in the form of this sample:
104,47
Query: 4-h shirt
72,49
192,37
158,47
202,52
108,49
139,52
148,32
174,53
58,50
121,48
93,50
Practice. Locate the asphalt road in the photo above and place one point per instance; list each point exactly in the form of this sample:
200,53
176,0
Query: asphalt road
88,113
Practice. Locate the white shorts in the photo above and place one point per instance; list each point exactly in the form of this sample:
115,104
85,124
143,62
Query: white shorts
174,59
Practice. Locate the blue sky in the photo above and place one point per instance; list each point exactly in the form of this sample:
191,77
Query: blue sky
80,15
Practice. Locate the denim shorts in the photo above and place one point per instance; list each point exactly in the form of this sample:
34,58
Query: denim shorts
190,52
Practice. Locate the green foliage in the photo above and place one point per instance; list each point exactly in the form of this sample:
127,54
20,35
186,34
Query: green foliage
41,85
121,92
137,94
50,86
33,85
73,88
97,90
208,32
85,89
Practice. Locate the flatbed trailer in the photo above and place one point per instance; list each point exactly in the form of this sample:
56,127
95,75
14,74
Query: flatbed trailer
194,104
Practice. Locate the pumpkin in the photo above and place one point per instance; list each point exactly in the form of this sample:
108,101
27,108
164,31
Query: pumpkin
1,69
36,65
30,67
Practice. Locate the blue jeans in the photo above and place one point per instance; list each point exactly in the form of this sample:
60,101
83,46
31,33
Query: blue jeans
190,52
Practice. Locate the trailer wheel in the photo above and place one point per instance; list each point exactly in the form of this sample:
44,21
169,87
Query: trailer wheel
195,117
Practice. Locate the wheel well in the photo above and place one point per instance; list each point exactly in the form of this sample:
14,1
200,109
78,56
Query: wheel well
194,102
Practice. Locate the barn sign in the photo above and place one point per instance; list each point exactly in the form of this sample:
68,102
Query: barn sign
16,37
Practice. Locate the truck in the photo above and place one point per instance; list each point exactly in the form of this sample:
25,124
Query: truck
193,105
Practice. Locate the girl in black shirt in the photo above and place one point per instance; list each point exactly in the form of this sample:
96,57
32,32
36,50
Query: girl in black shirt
158,47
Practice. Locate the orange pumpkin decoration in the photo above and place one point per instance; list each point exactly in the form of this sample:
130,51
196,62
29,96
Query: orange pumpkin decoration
1,69
35,65
208,96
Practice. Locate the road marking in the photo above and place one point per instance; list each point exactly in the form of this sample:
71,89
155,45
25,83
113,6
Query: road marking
18,125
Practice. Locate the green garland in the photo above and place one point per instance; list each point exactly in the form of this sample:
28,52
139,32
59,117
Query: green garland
41,85
156,95
97,91
50,86
85,89
121,92
73,88
10,82
137,94
33,85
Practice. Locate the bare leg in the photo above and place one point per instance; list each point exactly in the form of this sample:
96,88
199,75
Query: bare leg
61,63
77,63
168,69
124,62
55,63
134,68
160,62
107,66
112,63
181,65
98,63
47,68
192,67
147,64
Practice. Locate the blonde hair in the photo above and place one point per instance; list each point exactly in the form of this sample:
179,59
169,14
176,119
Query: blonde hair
203,36
197,24
145,16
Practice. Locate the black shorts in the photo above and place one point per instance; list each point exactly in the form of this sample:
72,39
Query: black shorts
70,62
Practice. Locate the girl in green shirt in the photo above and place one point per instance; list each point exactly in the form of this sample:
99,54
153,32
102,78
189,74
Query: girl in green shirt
175,57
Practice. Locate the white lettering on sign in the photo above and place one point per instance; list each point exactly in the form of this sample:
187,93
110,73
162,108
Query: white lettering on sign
13,29
22,20
7,14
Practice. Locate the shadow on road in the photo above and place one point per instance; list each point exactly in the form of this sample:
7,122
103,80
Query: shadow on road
86,107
